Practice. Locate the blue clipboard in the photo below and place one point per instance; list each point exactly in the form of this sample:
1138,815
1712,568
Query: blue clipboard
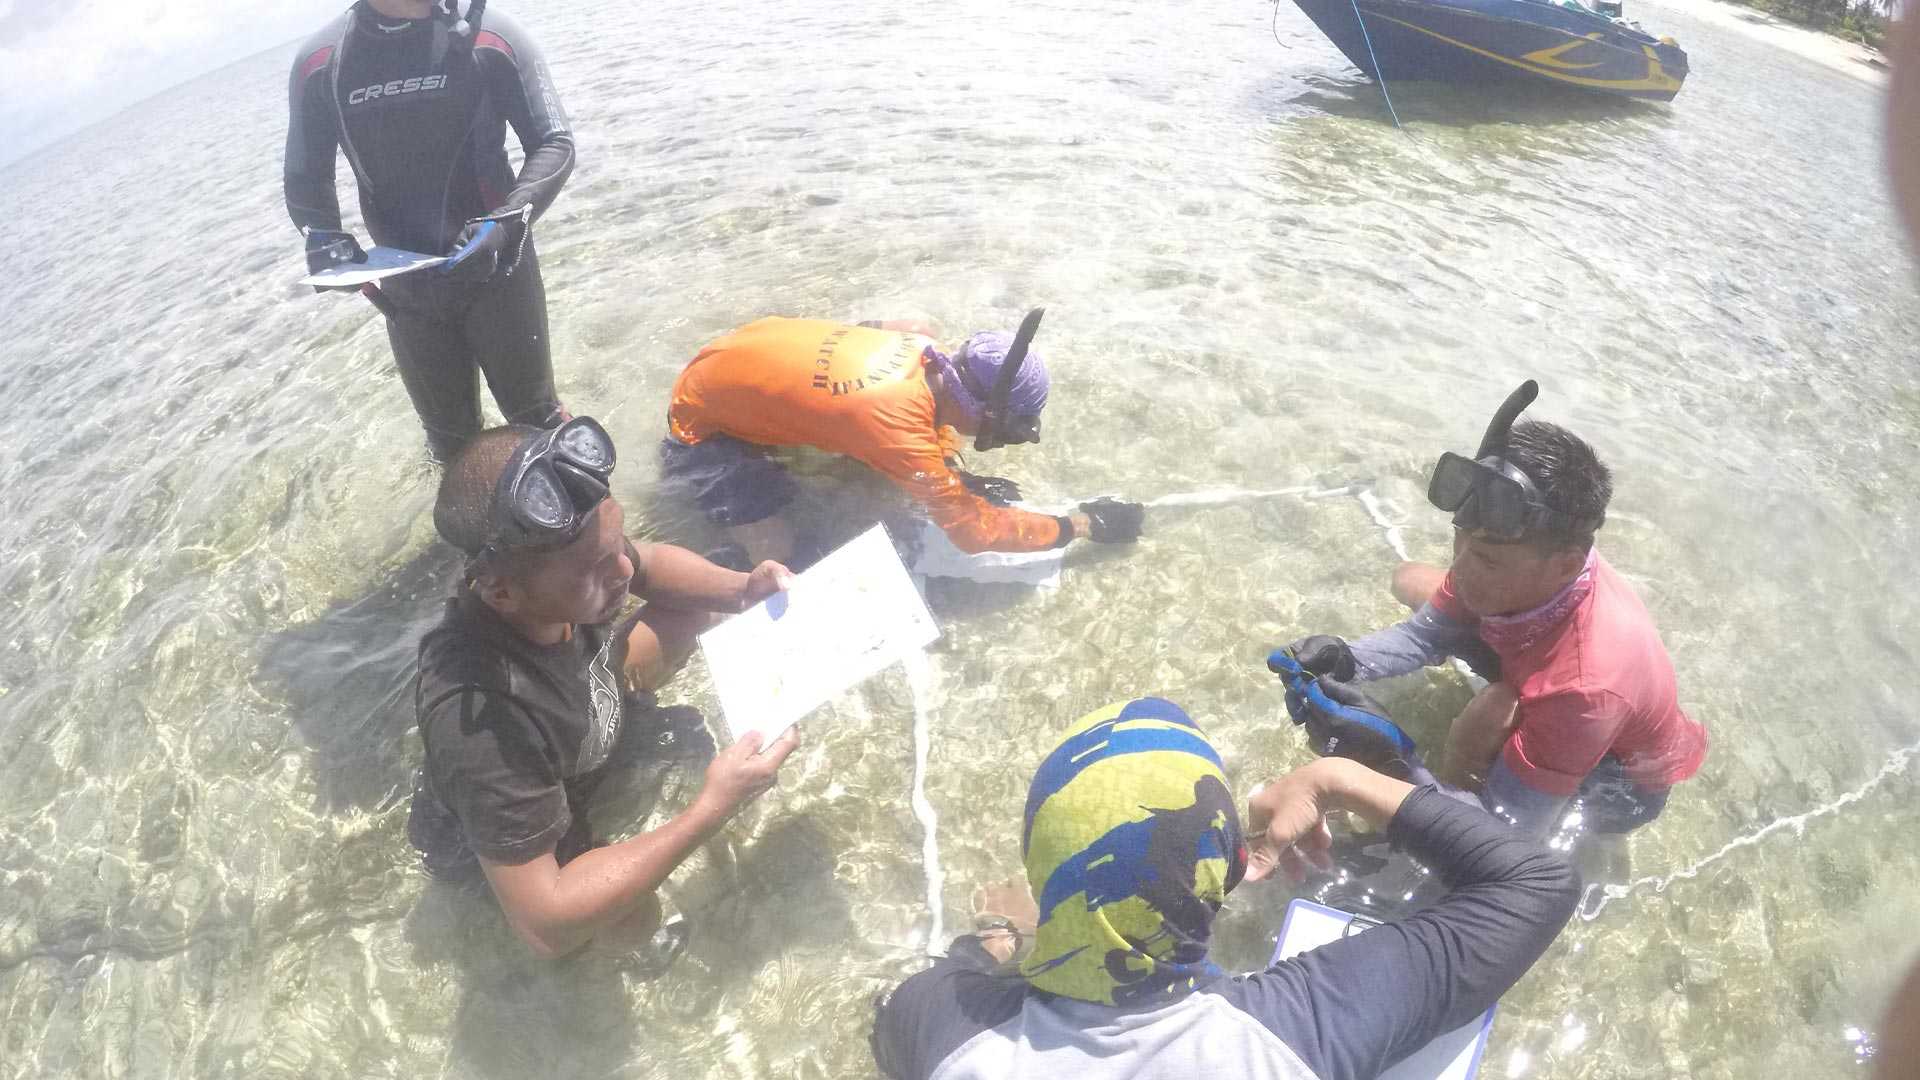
1453,1056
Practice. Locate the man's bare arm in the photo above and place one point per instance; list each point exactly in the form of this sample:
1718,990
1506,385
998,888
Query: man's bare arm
557,909
674,577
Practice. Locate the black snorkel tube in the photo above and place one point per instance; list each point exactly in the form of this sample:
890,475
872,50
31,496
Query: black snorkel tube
1491,495
993,433
1494,442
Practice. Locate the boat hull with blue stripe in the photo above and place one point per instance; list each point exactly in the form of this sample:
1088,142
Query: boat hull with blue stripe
1479,41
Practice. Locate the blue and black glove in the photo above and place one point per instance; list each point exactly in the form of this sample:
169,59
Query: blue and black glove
1341,720
997,490
487,245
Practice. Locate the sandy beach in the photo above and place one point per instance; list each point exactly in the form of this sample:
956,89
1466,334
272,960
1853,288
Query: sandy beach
1846,57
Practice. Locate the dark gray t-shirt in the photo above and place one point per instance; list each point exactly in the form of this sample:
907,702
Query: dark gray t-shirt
516,732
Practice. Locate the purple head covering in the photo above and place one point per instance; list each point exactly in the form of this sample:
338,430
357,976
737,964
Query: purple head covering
971,375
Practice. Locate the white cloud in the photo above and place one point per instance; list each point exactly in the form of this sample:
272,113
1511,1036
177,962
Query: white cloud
68,63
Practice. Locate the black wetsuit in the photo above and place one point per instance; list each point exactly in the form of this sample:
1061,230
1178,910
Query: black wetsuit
421,115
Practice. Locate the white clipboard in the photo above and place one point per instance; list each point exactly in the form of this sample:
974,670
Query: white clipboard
843,620
382,263
1453,1056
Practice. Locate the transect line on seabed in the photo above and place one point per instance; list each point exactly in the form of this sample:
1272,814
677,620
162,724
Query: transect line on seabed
920,679
920,675
1591,905
1599,895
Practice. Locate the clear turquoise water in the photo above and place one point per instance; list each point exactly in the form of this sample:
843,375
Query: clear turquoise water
215,557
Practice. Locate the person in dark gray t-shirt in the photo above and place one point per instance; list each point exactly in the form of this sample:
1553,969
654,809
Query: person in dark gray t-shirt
522,693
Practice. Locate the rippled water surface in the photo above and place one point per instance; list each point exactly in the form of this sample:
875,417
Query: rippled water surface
216,558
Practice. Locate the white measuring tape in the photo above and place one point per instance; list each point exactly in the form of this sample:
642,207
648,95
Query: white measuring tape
1597,897
920,680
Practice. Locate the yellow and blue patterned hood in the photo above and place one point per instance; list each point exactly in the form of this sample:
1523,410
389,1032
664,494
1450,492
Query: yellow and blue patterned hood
1131,843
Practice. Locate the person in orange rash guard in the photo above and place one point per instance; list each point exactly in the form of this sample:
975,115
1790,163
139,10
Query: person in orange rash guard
881,393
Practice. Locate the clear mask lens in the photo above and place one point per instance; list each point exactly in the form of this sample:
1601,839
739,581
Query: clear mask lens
1453,481
585,443
543,501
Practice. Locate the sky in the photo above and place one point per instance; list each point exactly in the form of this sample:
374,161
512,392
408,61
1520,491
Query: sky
65,64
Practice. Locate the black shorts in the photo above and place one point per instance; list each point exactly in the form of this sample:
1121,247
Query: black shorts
1612,803
733,482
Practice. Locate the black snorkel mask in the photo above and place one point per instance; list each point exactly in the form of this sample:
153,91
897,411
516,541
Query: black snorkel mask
550,486
1488,494
998,426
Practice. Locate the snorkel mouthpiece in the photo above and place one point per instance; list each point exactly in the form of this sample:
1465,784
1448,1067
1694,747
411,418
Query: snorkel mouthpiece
997,428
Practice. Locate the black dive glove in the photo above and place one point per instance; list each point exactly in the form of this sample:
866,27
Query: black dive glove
328,248
1113,521
997,490
1325,654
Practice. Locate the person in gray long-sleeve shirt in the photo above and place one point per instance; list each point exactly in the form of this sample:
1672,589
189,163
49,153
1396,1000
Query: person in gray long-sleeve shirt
1131,845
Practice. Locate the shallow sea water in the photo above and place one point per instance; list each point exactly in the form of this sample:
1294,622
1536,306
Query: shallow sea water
216,556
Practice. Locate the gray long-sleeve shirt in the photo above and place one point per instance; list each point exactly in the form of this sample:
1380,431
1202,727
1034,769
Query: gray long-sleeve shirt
1425,639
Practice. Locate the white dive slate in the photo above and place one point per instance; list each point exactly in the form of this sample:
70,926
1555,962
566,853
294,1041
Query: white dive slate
848,616
1453,1056
382,263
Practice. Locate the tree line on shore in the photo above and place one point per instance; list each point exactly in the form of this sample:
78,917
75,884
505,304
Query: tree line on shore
1864,21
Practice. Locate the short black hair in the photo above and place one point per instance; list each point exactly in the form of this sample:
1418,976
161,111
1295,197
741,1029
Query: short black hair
1570,478
463,510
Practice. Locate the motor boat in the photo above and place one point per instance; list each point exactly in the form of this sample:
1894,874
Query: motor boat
1588,45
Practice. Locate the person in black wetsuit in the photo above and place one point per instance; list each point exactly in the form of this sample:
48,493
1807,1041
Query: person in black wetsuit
419,98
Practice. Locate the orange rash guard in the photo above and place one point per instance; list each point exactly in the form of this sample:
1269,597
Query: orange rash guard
846,390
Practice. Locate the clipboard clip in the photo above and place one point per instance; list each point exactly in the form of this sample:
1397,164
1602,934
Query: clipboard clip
1357,924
